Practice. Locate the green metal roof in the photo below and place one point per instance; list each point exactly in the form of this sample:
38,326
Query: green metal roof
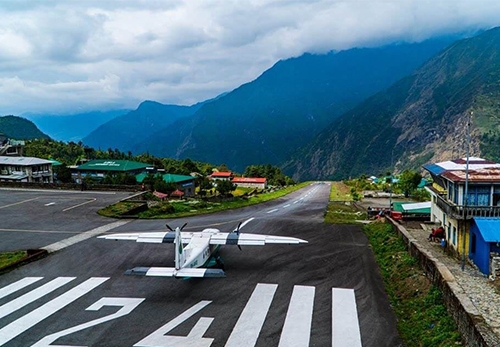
166,177
397,206
113,165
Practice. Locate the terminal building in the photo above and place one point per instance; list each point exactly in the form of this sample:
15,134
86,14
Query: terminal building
25,169
98,169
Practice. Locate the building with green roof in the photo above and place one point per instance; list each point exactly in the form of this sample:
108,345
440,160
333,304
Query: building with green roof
100,167
184,183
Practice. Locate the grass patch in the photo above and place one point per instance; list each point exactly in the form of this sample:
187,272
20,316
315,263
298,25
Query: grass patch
192,207
422,317
340,192
118,209
342,213
8,258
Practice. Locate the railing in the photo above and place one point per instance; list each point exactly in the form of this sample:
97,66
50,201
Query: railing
457,211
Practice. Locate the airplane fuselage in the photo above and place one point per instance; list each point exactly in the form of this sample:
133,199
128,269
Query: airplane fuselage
198,252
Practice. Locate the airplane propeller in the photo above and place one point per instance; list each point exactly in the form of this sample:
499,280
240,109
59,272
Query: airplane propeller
169,228
237,231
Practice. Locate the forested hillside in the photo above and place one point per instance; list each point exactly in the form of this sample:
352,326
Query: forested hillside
420,118
19,128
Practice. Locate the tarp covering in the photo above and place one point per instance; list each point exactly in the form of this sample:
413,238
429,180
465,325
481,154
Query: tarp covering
419,207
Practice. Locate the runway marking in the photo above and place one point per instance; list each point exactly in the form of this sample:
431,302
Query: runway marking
272,211
18,203
29,320
14,287
297,329
246,222
296,201
247,328
286,205
34,295
83,203
50,204
345,323
194,339
83,236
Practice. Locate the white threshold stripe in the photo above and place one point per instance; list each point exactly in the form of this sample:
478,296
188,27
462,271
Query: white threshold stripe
345,323
297,329
50,204
247,328
29,320
83,236
296,201
272,211
35,294
14,287
83,203
246,222
287,205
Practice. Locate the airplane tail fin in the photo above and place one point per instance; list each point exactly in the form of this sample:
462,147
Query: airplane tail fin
180,257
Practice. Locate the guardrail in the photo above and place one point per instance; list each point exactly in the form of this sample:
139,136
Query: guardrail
467,212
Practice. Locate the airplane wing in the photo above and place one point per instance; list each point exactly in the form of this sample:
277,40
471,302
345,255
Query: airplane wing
157,237
172,272
252,239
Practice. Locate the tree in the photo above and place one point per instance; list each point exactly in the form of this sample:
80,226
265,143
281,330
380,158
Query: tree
225,187
63,173
164,187
205,185
409,181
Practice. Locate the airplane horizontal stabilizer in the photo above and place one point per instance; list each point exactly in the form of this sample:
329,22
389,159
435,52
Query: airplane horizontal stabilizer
172,272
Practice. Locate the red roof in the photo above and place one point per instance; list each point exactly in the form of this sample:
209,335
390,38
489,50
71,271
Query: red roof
249,180
177,192
222,174
490,175
160,195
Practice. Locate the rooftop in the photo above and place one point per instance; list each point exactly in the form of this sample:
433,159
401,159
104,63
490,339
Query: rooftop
222,174
23,161
249,180
475,163
479,175
113,165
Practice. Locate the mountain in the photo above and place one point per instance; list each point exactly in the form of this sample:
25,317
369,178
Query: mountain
72,127
421,118
267,120
19,128
124,132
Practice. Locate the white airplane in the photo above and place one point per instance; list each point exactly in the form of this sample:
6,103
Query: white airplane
201,250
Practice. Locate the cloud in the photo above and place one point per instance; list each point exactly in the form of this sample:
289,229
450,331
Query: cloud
73,56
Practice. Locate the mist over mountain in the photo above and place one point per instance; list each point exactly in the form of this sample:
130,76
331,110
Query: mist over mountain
420,118
268,119
72,127
19,128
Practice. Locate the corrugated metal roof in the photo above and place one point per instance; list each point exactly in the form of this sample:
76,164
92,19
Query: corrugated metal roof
221,174
489,228
460,164
480,175
249,180
113,165
23,161
166,177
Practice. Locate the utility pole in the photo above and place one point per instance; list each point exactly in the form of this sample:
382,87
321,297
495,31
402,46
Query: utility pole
390,189
466,194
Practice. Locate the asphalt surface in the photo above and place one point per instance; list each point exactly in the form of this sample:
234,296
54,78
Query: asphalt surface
272,295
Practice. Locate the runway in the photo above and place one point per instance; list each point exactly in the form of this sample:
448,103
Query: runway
324,293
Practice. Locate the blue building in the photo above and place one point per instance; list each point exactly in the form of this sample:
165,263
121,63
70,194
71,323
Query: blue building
485,238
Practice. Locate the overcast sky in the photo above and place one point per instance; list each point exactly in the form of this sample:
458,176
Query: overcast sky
76,55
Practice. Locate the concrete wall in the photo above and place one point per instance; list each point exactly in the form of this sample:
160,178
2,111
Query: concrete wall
71,186
471,325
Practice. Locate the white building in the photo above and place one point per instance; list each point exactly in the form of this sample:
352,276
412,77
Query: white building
250,182
25,169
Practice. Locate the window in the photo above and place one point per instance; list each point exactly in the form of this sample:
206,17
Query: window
478,196
454,241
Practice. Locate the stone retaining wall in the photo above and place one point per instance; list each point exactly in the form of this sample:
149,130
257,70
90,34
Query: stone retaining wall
471,325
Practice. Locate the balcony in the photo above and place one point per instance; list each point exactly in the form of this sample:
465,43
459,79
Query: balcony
460,211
